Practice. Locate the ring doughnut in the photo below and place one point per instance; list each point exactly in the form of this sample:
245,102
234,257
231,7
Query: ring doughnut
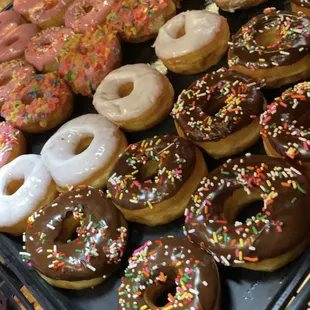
153,176
301,5
42,104
9,21
85,260
83,151
273,47
44,13
166,263
88,58
139,21
12,143
25,185
44,49
82,14
233,5
192,41
13,74
220,113
134,97
211,216
285,126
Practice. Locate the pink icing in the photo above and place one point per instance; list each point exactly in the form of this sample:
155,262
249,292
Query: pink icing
13,74
44,48
40,11
84,13
13,44
8,21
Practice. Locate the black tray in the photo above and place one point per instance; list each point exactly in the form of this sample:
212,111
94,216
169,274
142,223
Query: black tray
241,289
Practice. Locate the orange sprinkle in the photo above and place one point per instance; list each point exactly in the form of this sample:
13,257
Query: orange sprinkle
251,259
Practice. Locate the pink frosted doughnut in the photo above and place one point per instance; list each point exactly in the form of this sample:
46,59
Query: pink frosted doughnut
13,74
84,13
44,48
8,21
44,13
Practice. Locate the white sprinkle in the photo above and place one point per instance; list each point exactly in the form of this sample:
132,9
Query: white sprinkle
50,226
92,268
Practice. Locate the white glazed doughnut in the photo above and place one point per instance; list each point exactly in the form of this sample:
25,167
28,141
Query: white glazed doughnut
25,185
233,5
83,151
191,37
135,97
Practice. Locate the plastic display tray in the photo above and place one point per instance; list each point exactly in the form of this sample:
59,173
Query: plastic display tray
241,289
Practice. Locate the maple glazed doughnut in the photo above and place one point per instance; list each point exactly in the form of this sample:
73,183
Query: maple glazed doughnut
285,125
13,74
83,151
192,41
43,50
273,47
44,13
220,113
301,5
233,5
92,255
12,143
161,264
270,239
86,59
138,21
153,179
42,104
25,185
82,14
134,97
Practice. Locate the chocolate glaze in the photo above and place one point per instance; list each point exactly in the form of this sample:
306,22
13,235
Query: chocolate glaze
286,123
173,258
293,44
302,3
217,105
176,159
101,230
282,224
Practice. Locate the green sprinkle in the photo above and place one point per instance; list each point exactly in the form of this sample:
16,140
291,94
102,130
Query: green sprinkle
301,189
225,172
255,231
294,200
78,250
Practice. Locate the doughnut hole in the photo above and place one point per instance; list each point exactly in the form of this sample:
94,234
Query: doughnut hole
13,186
125,90
68,229
212,107
5,81
148,171
28,97
87,9
268,38
181,33
83,144
241,206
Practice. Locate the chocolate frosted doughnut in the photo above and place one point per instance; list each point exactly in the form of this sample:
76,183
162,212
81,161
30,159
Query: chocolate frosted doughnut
267,241
153,175
95,252
168,262
301,5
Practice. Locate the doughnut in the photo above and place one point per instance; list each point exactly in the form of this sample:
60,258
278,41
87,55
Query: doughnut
13,74
83,151
8,21
273,47
88,58
25,185
301,5
76,241
265,241
139,21
44,13
285,125
152,181
44,103
160,265
233,5
82,14
13,43
220,113
12,143
4,4
43,50
134,97
192,41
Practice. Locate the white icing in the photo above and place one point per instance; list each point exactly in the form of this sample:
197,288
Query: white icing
147,87
233,5
201,28
58,152
23,202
